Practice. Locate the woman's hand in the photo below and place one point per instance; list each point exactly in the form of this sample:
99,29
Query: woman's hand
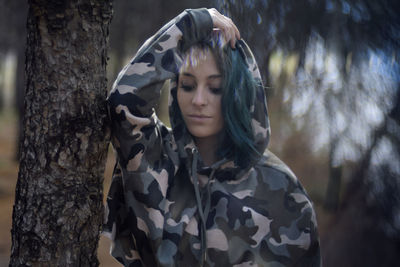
226,25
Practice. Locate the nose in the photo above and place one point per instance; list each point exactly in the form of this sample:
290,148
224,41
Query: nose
199,97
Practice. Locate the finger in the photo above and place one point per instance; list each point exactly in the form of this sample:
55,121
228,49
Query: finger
234,28
234,33
228,30
227,35
232,37
237,32
233,42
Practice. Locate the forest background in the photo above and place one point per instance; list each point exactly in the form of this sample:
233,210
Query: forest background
332,76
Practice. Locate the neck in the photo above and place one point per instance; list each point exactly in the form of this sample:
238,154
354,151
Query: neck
207,148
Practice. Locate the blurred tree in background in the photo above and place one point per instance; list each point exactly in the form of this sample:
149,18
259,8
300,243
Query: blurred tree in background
13,41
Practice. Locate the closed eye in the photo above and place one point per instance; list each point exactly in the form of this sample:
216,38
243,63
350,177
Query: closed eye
216,91
187,88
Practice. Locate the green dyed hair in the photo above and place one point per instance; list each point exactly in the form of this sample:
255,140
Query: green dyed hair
239,91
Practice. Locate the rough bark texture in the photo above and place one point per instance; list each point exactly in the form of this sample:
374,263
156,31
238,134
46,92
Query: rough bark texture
58,207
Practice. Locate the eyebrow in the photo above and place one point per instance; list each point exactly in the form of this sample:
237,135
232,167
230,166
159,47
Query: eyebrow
213,76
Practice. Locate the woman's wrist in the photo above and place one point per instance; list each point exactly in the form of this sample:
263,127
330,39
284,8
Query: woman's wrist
225,25
202,22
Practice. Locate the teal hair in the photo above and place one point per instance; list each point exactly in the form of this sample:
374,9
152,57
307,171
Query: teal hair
237,100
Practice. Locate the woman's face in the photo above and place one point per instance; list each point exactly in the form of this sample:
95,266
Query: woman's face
199,98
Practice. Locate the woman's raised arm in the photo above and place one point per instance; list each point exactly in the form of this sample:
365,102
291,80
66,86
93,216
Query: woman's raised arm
137,88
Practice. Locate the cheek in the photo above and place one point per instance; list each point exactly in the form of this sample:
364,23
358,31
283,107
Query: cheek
218,106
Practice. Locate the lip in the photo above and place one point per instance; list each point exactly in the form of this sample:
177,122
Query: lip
198,117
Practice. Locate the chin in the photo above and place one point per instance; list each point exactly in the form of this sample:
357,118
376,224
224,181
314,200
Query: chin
201,134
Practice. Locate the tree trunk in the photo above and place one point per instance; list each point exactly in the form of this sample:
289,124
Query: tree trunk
58,207
332,196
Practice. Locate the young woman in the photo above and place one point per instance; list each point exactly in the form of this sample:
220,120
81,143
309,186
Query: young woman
206,192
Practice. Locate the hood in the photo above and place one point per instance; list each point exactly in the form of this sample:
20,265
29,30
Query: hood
260,121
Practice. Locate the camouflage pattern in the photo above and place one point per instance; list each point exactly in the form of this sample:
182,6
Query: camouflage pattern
157,212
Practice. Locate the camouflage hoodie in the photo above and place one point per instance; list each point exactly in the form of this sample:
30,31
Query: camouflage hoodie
157,213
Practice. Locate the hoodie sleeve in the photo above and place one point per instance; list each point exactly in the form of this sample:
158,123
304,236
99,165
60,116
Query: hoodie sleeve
137,88
312,256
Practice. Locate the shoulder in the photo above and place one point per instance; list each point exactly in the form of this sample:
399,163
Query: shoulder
271,163
293,220
277,178
278,202
279,186
276,175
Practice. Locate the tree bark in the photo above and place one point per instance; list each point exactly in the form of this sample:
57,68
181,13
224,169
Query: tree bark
58,206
